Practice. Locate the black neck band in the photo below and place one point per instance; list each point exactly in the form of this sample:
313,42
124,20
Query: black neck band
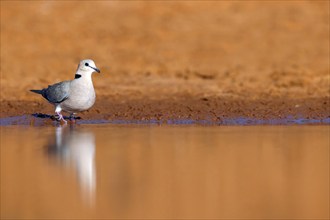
77,76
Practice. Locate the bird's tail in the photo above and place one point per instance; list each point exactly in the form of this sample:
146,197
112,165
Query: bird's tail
36,91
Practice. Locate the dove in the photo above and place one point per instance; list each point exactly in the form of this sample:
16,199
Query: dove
75,95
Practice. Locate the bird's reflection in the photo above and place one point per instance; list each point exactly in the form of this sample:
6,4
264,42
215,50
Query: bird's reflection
76,149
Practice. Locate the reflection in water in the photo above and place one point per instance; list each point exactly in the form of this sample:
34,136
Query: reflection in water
165,172
76,149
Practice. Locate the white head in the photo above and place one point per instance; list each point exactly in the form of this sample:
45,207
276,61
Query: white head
87,67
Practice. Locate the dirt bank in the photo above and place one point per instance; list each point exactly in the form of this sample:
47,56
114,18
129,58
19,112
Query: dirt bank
162,60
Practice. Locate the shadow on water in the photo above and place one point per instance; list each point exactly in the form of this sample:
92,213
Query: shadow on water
75,149
39,119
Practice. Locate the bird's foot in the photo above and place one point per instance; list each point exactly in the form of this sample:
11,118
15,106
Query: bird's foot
72,117
60,117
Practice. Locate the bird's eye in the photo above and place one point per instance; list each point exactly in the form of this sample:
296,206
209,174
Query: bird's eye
86,64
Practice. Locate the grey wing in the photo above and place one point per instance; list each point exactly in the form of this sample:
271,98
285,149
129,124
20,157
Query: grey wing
57,93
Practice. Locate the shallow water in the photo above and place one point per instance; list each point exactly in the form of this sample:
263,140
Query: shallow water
39,119
151,171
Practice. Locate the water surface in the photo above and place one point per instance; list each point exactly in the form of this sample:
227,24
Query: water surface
151,171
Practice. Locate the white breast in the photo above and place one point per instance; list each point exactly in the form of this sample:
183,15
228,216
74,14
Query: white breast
82,95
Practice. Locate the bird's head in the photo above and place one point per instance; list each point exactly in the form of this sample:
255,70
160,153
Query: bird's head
87,67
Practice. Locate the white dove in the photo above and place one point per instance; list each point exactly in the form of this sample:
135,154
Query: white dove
75,95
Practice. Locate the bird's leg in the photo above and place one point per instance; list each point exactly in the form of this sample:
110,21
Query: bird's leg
60,117
58,110
72,117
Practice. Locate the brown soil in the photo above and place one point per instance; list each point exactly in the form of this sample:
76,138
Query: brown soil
163,60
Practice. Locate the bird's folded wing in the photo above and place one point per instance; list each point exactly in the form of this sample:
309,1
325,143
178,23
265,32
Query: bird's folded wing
58,92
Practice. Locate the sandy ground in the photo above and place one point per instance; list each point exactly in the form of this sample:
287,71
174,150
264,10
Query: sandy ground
163,60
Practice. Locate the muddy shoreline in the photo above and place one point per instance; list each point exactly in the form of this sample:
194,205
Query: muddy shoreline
212,110
171,60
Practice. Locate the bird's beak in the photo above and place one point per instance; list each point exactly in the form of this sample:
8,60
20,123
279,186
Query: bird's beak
96,69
